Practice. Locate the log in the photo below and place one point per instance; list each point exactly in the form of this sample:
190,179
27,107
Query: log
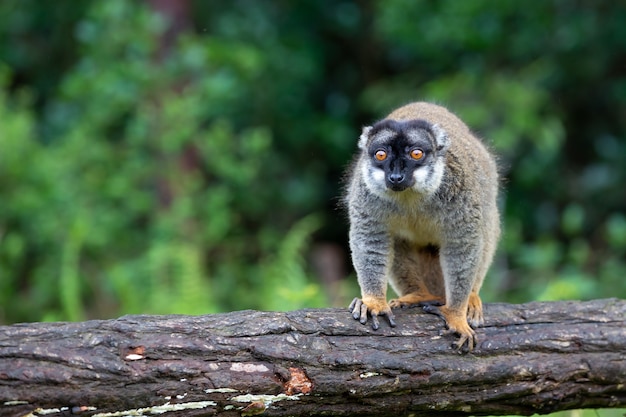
531,358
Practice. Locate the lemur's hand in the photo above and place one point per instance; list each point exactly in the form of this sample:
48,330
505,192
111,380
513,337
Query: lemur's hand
375,307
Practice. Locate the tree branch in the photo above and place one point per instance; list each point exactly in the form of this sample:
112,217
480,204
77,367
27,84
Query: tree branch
531,358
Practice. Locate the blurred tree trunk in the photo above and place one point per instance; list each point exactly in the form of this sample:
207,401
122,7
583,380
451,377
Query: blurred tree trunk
177,15
535,357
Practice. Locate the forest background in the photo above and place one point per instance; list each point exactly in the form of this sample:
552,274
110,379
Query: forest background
187,156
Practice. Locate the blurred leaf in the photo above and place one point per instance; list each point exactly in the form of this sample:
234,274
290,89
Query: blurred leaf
616,231
572,219
572,286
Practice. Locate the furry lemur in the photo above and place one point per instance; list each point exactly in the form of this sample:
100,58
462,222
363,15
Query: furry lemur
423,216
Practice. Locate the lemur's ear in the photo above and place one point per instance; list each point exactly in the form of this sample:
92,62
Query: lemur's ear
442,141
364,136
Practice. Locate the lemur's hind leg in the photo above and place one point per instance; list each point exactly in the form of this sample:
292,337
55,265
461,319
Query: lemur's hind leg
416,275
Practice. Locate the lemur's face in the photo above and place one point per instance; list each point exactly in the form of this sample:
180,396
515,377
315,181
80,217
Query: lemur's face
402,155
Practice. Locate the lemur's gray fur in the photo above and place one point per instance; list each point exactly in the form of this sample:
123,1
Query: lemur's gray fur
423,217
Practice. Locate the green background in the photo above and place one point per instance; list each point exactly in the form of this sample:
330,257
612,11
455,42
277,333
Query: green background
188,158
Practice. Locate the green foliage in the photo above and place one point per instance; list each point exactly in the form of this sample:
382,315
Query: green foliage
141,200
286,282
144,170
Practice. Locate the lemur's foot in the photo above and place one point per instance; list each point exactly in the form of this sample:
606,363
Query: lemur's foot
456,322
475,316
418,298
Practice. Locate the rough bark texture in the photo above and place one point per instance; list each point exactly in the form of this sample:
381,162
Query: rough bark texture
531,358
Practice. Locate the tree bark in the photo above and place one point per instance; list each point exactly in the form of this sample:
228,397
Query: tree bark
530,358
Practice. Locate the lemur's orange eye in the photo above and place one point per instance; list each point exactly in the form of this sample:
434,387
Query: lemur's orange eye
417,154
380,155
